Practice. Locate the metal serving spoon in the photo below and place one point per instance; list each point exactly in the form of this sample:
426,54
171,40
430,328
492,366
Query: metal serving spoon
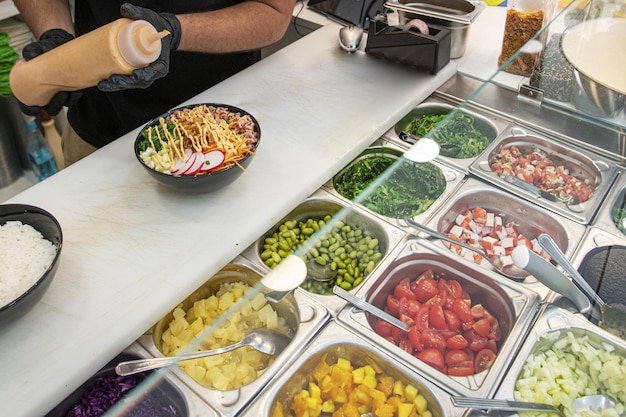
318,272
512,272
581,404
372,309
264,340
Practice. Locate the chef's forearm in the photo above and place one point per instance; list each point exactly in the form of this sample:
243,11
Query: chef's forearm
245,26
42,15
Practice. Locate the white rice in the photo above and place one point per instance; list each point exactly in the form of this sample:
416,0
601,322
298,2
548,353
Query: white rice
24,256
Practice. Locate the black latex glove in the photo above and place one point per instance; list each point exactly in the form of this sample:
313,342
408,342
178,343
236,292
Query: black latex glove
144,77
50,39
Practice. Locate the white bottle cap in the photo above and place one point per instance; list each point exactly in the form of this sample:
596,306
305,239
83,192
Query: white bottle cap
139,43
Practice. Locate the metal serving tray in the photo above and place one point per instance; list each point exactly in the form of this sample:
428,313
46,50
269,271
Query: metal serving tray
615,199
610,285
554,322
486,123
385,147
317,205
168,389
336,341
513,305
532,220
308,315
585,164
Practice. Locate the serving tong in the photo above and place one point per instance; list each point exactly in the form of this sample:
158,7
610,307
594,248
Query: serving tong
538,192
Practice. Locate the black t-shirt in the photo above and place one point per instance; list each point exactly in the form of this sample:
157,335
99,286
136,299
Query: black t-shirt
99,118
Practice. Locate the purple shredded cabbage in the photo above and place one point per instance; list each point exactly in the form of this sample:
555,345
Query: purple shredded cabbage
108,390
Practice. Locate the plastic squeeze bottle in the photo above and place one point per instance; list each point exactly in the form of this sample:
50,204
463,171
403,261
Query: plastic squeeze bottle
116,48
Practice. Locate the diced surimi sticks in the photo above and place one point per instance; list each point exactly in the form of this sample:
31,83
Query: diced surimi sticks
473,239
506,261
456,231
499,250
460,219
490,220
498,223
507,242
473,226
489,242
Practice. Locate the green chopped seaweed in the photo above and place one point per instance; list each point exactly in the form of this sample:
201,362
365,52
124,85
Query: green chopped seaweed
457,135
407,192
157,131
619,217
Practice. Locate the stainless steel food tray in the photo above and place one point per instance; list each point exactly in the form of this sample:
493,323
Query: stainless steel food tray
335,340
168,387
616,198
486,123
322,202
453,176
533,220
554,321
513,305
312,316
611,287
602,171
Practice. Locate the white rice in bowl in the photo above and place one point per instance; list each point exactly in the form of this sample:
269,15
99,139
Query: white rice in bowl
24,256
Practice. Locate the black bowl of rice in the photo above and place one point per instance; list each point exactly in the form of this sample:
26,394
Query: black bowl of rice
30,248
198,148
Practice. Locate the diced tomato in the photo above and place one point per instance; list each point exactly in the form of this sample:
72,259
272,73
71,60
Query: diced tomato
455,356
405,345
403,289
451,287
415,338
432,357
478,343
384,329
431,338
483,360
393,305
437,318
422,318
457,342
482,327
452,320
495,333
407,319
462,369
462,309
478,311
492,346
426,289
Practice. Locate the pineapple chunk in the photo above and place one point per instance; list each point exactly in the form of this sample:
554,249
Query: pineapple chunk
357,375
345,364
328,406
405,409
398,388
421,405
370,381
410,392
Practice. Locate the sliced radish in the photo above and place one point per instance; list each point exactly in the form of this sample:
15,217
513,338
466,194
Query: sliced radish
186,165
182,166
196,165
213,160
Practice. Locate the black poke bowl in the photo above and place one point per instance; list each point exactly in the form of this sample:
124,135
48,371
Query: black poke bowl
45,238
195,166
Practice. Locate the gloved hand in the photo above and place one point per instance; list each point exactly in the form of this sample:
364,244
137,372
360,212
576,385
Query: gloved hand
144,77
50,39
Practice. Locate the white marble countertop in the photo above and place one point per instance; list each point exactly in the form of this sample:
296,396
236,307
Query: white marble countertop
132,249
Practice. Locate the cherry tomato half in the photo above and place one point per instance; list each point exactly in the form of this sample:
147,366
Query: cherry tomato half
433,357
483,360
